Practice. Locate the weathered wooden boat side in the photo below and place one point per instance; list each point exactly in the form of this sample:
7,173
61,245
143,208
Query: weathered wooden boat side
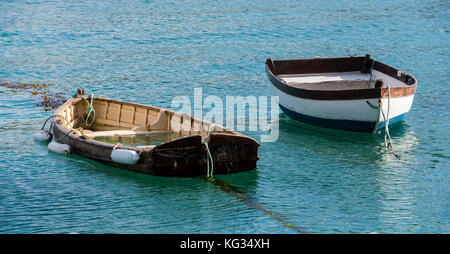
349,93
187,156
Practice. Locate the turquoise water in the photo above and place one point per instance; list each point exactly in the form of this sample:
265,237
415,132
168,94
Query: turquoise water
151,51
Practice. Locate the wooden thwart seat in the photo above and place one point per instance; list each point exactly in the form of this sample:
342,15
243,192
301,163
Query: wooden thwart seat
94,134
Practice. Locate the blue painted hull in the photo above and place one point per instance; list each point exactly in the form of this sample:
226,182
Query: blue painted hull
350,125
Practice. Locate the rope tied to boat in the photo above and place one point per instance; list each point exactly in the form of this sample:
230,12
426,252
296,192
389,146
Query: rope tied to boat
90,111
65,135
45,135
50,117
209,160
387,135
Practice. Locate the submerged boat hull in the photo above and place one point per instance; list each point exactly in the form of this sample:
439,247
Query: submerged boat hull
363,109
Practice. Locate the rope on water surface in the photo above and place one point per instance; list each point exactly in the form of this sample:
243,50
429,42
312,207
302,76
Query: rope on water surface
254,203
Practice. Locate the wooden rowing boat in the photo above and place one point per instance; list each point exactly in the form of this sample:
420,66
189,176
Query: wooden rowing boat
350,93
167,143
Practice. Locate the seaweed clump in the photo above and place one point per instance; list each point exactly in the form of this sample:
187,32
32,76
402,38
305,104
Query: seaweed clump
47,99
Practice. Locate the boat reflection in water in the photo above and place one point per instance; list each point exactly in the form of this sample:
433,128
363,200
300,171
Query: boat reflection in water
355,147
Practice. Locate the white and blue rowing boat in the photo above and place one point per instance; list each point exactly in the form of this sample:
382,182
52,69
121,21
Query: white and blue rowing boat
349,93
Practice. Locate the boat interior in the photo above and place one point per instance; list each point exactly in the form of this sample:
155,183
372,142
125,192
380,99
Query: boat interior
345,73
122,119
340,80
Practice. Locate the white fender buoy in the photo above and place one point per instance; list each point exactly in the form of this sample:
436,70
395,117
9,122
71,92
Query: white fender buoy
58,147
124,156
42,135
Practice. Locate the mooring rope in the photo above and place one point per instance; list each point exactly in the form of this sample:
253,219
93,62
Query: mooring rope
209,160
65,135
253,203
90,110
387,135
52,116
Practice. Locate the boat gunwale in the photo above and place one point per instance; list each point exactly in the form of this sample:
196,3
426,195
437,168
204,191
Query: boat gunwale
325,65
